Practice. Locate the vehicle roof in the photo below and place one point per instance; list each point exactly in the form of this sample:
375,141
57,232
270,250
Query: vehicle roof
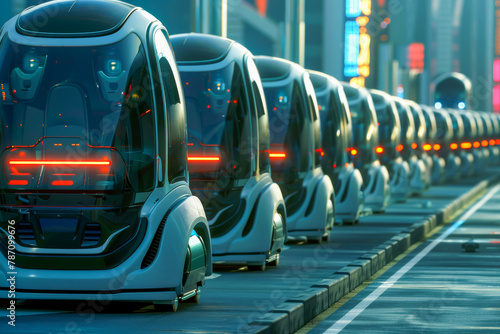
68,18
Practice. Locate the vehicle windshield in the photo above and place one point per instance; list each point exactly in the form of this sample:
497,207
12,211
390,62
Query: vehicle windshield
288,132
76,118
219,138
330,126
386,120
360,124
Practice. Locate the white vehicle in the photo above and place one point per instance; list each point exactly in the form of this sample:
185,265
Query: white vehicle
414,168
491,130
228,144
365,134
336,131
421,162
437,163
296,151
93,152
473,160
390,147
445,139
462,153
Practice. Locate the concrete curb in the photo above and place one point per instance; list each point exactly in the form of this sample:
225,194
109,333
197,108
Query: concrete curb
302,308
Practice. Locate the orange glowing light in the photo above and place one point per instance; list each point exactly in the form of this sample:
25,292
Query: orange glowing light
492,142
453,146
379,149
497,141
399,148
476,144
465,145
427,147
18,182
354,151
436,147
414,146
320,151
59,162
484,143
146,112
277,155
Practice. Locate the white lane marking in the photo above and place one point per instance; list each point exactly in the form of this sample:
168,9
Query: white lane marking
352,314
213,276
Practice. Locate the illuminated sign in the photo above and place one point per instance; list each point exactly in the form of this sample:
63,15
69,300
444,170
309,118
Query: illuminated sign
496,70
357,41
496,62
351,51
416,56
496,98
352,8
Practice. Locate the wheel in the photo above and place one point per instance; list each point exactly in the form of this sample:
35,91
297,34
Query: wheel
195,298
257,267
326,237
315,240
167,307
275,262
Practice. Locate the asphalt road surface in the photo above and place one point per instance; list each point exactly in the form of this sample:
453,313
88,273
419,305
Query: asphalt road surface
439,287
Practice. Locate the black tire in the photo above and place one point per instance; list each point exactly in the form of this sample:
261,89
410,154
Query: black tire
257,267
196,298
275,262
168,307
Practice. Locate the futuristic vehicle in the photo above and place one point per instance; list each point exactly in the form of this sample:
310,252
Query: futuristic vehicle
363,153
438,163
458,135
485,134
421,162
296,150
491,129
447,145
93,152
336,130
388,151
228,146
400,181
472,160
452,90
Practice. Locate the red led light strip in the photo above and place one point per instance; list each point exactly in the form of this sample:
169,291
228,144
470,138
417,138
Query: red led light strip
59,162
62,183
203,158
18,182
277,155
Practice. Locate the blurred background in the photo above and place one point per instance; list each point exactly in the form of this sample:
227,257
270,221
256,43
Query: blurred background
399,46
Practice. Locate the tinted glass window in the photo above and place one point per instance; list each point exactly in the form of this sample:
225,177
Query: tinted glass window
218,125
360,123
199,48
176,114
287,125
313,110
262,117
76,118
74,17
